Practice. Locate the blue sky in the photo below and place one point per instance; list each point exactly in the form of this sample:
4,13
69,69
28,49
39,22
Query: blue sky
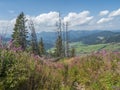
82,14
35,7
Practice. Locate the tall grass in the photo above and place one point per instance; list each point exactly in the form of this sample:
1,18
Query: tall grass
24,71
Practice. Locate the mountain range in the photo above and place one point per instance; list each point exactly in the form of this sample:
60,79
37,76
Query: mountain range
84,36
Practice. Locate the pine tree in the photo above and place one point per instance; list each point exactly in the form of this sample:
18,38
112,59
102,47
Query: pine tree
33,42
72,52
59,47
19,35
41,47
59,52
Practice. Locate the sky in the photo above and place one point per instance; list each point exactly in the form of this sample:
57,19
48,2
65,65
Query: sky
81,14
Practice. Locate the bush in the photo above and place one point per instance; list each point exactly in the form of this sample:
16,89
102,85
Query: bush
24,71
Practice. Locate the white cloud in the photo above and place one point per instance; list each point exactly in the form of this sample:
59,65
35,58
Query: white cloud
103,13
48,19
103,20
77,21
115,13
78,18
42,22
110,17
6,26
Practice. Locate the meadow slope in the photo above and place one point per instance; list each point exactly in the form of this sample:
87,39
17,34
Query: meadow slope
24,71
84,49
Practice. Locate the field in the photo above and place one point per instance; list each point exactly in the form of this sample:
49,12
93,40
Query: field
83,49
24,71
60,45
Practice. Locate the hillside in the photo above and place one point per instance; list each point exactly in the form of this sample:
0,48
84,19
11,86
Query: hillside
59,44
100,71
84,36
83,48
74,35
101,37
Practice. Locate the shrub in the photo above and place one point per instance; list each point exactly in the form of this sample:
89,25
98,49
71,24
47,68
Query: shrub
24,71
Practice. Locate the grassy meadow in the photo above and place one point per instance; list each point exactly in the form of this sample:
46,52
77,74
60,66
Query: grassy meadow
24,71
84,49
59,44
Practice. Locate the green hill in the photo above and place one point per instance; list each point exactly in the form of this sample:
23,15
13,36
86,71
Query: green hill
102,37
24,71
83,48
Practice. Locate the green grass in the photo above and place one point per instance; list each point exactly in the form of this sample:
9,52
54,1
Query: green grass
82,48
24,71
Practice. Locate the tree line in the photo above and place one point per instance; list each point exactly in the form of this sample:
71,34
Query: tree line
20,38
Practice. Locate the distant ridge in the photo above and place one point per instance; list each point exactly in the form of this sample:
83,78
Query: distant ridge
85,36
